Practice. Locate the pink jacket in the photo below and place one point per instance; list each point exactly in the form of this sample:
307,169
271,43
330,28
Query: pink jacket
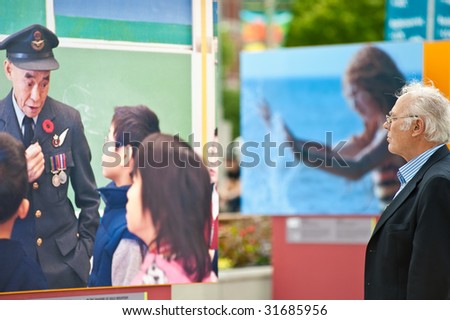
157,270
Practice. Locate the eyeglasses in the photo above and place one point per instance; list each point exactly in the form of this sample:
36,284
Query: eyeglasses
389,118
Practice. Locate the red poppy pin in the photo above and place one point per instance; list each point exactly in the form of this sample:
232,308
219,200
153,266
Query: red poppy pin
48,126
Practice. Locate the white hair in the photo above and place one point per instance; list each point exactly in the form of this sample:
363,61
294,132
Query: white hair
430,104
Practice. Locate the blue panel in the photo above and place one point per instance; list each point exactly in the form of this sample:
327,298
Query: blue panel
442,19
406,19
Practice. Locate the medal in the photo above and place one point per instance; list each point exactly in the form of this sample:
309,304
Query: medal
62,177
55,181
58,165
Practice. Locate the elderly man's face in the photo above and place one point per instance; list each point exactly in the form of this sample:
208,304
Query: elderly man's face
399,139
30,88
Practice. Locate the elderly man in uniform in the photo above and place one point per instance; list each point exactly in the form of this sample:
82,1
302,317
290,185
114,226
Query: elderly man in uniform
57,154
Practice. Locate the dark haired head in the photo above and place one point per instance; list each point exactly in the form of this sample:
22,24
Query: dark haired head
13,175
176,188
374,71
133,124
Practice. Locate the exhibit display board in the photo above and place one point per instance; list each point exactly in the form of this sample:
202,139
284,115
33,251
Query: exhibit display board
125,53
323,99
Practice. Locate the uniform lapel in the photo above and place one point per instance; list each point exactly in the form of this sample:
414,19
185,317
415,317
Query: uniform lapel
47,113
8,118
403,195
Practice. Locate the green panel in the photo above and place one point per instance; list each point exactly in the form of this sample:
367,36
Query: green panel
76,27
95,81
18,14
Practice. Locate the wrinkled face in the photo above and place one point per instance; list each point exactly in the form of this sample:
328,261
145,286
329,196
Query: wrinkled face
139,221
399,140
30,88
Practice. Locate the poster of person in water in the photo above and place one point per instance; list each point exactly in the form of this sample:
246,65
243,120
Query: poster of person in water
312,118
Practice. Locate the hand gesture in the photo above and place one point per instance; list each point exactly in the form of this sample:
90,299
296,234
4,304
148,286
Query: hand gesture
35,161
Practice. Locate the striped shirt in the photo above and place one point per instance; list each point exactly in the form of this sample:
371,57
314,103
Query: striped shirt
410,169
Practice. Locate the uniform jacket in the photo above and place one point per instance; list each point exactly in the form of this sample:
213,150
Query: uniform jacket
408,255
51,233
112,229
18,272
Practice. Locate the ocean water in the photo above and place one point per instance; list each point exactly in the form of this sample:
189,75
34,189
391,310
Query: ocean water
272,181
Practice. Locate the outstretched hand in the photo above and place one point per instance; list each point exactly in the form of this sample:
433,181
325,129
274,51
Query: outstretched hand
267,116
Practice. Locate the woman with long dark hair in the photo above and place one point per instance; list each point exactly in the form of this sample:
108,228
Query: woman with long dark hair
169,208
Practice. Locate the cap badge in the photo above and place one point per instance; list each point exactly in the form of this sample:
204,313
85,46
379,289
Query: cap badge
38,43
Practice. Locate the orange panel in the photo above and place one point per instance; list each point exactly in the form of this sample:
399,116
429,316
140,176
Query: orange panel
436,64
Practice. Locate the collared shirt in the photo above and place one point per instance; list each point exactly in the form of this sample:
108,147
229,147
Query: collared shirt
410,169
20,115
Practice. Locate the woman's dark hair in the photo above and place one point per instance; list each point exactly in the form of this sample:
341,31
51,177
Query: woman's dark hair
374,71
13,175
176,188
133,124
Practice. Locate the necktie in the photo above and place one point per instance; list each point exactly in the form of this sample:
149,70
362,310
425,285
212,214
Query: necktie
28,132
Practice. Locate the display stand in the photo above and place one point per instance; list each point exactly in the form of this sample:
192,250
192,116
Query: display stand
319,257
181,36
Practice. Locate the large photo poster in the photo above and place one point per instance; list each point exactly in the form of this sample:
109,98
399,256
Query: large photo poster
312,127
101,97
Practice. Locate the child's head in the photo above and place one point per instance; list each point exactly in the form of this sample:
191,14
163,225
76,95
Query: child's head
133,124
169,203
13,176
129,126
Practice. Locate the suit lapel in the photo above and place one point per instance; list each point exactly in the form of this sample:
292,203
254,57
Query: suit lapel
403,195
8,118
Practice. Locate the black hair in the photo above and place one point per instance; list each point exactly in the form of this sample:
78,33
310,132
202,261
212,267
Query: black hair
176,188
13,175
133,123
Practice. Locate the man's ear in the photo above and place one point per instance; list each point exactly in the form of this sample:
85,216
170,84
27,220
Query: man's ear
418,127
23,209
7,66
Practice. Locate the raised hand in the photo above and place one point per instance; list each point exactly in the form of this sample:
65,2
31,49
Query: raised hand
35,161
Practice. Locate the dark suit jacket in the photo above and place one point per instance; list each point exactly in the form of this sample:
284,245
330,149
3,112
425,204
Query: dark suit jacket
18,272
408,255
66,241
